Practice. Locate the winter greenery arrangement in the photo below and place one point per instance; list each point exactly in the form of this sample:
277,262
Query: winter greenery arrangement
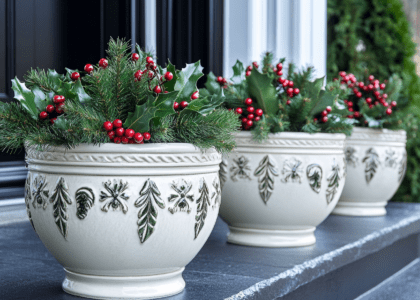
267,102
126,98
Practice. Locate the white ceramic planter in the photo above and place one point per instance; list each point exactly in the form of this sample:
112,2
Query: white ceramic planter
376,164
274,194
123,220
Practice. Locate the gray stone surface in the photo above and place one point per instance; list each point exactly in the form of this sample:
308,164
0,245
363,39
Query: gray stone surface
221,270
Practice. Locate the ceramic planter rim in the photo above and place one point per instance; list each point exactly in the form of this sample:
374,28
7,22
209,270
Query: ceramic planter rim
295,135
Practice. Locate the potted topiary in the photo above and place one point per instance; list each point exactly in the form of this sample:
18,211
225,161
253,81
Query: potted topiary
375,152
123,160
287,171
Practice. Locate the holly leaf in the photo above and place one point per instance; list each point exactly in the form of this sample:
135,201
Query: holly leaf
206,105
261,88
69,72
40,99
324,99
25,97
170,85
204,92
139,120
80,93
165,104
238,72
211,84
186,81
313,89
55,78
61,123
66,90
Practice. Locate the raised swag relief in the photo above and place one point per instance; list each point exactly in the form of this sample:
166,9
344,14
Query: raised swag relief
292,168
181,198
351,158
114,197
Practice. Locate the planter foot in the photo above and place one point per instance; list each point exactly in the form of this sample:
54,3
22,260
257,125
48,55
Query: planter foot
136,287
360,209
271,238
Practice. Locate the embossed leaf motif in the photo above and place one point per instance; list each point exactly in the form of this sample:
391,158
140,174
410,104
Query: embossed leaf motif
60,198
333,182
115,197
241,169
390,159
314,174
223,172
371,161
292,168
402,167
266,171
84,201
203,203
28,198
217,194
351,157
149,196
182,188
39,193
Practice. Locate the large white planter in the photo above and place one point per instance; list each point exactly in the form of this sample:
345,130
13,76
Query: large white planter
274,194
123,220
376,164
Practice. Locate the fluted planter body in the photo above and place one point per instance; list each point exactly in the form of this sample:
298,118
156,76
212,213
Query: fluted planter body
274,194
376,165
123,220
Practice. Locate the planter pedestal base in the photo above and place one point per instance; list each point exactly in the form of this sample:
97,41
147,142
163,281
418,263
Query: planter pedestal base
271,238
136,287
360,209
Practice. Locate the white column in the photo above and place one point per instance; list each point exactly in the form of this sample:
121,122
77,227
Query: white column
150,25
294,29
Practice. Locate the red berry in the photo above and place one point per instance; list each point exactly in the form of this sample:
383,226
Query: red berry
138,137
290,91
165,92
388,111
351,109
280,80
43,115
129,133
108,126
249,68
370,105
111,134
117,140
349,104
249,123
279,73
131,141
296,91
361,84
324,113
52,121
59,108
135,57
370,87
151,74
195,95
157,89
149,60
371,77
385,104
356,114
285,83
250,109
368,100
124,140
138,75
244,120
291,84
279,66
328,109
275,70
74,76
250,116
247,73
248,101
359,95
342,74
393,104
219,79
350,116
376,94
58,99
259,112
117,123
176,105
120,131
103,63
184,104
238,110
146,136
385,96
88,68
224,81
382,86
288,102
169,76
325,119
50,108
257,119
315,120
255,64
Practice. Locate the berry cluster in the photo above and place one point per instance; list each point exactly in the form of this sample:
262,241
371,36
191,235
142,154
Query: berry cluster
249,68
250,115
118,134
52,111
324,115
184,104
222,81
288,85
371,91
